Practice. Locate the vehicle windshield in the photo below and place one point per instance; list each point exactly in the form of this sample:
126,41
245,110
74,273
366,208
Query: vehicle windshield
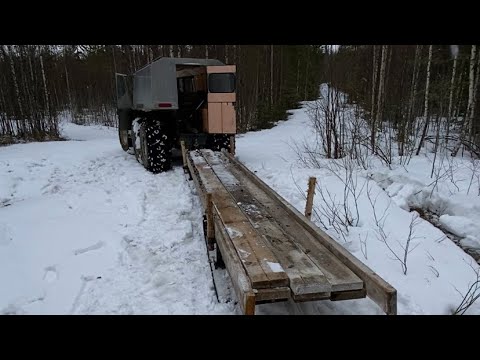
221,83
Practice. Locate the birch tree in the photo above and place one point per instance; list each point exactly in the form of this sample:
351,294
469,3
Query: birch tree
466,126
425,112
380,97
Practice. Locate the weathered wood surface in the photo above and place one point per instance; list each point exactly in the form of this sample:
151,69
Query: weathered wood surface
276,250
338,276
249,245
241,282
310,193
305,276
380,291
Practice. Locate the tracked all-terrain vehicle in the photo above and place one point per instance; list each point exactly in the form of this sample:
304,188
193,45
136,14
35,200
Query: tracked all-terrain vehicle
175,100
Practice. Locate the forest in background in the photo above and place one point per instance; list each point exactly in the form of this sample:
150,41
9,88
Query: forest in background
407,95
404,94
40,83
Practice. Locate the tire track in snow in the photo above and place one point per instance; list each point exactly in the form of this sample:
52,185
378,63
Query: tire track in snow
164,268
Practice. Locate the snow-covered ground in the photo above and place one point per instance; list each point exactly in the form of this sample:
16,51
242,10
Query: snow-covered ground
438,271
84,229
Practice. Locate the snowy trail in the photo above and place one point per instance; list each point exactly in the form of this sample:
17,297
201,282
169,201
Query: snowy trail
84,229
439,272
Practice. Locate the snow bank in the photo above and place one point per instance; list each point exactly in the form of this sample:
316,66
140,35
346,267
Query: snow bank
435,267
84,229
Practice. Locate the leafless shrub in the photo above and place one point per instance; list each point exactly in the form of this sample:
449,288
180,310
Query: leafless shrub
339,218
363,245
434,271
345,171
343,213
340,132
309,155
327,115
475,169
383,236
472,295
329,209
446,170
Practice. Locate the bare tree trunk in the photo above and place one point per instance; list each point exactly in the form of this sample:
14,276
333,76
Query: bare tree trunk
437,139
28,106
47,103
471,82
131,60
306,80
298,74
150,54
470,106
475,89
416,68
452,83
226,54
68,83
427,89
171,50
21,120
380,95
271,76
206,51
411,104
450,98
134,57
374,82
280,77
6,128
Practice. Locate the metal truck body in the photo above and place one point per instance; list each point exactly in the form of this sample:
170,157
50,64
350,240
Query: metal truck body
172,100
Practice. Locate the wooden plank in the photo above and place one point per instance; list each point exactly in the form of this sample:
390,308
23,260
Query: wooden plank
305,277
251,248
246,239
311,191
348,295
338,275
240,280
184,153
232,144
210,225
250,303
208,184
196,180
249,245
238,235
241,283
311,297
380,291
272,295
